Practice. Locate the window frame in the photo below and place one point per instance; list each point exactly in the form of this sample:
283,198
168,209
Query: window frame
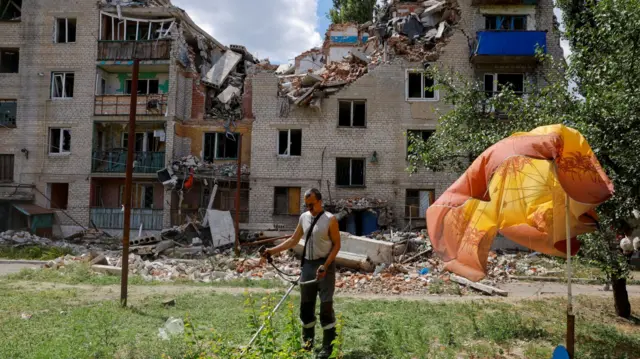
432,197
10,172
10,49
61,150
495,84
364,172
128,82
215,146
352,102
64,75
275,207
288,150
406,149
524,17
436,92
66,30
7,123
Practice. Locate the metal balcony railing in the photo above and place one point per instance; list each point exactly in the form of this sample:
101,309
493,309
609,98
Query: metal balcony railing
115,161
113,218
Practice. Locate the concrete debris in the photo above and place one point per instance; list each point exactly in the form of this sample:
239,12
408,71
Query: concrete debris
285,69
228,94
173,326
358,203
219,72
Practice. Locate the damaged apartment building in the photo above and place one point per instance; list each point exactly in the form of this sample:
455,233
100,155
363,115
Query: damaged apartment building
65,96
337,118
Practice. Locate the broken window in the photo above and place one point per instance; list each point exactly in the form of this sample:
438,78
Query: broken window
10,10
420,86
8,111
220,146
62,84
141,196
6,168
286,200
59,140
417,201
142,143
494,83
506,22
59,195
290,142
350,171
119,28
352,113
145,87
421,134
9,61
65,30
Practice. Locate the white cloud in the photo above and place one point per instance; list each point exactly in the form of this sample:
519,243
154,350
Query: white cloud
274,29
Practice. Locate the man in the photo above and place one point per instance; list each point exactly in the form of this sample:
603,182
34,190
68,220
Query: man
322,243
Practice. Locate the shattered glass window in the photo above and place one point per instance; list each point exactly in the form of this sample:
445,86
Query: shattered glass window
65,30
506,22
420,86
10,10
352,113
226,146
350,171
62,85
59,140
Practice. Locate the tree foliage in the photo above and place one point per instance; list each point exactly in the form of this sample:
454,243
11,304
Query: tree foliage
358,11
605,71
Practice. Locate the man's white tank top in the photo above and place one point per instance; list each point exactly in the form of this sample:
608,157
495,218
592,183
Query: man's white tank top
319,244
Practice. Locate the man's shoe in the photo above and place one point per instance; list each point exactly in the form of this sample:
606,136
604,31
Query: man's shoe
327,343
308,335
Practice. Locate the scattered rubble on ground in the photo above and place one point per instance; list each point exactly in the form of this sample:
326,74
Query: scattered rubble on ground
83,242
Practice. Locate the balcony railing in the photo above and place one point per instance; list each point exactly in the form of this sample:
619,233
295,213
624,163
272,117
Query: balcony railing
113,218
508,46
115,161
129,50
147,105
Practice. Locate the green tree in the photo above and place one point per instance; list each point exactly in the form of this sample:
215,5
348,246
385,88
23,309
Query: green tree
358,11
606,110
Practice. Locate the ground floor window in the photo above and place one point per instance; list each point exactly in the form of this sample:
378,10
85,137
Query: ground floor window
417,201
286,200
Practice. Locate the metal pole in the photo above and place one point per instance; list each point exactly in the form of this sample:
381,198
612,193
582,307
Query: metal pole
238,176
570,316
127,183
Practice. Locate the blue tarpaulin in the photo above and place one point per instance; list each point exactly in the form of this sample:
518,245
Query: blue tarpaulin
510,43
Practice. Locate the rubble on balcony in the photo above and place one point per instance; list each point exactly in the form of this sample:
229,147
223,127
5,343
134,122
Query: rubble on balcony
414,31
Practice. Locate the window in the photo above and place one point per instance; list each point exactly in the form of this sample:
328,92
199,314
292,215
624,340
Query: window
220,146
506,22
352,113
65,30
9,61
141,196
417,201
494,83
350,172
8,110
422,134
59,195
10,10
6,168
420,86
290,143
145,142
145,87
62,84
59,140
286,200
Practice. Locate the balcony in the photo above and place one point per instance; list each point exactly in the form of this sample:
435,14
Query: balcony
113,218
507,47
115,161
147,105
503,2
129,50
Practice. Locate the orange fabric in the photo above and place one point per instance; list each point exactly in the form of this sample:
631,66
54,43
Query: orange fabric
517,188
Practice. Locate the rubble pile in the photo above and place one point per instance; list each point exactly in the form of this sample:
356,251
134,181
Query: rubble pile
21,239
358,203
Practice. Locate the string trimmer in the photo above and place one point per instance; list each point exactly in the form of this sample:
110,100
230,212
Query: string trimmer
286,277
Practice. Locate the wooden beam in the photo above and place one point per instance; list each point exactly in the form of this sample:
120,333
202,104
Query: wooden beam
477,286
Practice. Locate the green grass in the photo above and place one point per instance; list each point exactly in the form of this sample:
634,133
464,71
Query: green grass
82,274
33,252
71,323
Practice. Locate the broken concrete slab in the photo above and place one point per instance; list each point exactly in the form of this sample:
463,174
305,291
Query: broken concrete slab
228,94
345,259
222,228
377,251
285,69
431,3
360,56
100,259
430,20
441,28
221,70
310,80
107,269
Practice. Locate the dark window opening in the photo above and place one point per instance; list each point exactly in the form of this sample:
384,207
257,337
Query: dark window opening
286,200
8,113
10,10
352,113
59,140
59,195
65,30
350,171
421,134
220,146
6,168
415,85
290,142
145,87
417,201
420,86
62,85
506,22
494,83
9,61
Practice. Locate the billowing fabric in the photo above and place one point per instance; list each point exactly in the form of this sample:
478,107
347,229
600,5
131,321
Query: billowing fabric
517,188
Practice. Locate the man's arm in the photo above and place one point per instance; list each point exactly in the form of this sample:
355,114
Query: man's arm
334,235
289,243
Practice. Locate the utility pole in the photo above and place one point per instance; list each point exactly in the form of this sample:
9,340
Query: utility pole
238,177
127,183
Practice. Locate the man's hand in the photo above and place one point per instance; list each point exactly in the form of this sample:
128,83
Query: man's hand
265,255
321,273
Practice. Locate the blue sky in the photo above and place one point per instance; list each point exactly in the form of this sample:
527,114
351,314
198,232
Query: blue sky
323,22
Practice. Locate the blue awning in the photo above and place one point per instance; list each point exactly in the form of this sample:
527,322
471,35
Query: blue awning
510,43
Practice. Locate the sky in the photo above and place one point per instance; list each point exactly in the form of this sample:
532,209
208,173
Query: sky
275,29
